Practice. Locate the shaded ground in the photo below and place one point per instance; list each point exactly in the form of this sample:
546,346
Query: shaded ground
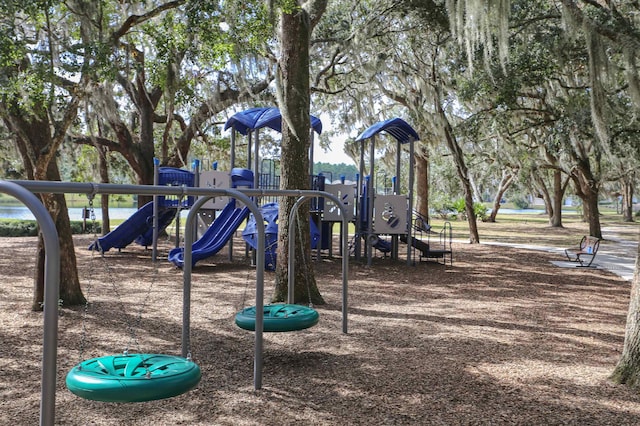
503,337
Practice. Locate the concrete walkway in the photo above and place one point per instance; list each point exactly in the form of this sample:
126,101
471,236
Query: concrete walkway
615,254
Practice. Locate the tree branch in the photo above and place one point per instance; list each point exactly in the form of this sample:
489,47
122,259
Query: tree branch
134,20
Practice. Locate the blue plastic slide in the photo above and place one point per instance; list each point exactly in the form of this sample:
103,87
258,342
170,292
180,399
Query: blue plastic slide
138,224
215,238
165,219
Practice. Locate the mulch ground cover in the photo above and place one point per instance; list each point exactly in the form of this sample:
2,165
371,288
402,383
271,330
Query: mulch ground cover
502,337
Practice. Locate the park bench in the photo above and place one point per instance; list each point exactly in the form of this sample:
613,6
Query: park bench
587,250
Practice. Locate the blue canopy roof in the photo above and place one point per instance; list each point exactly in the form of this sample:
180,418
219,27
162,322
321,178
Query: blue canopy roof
257,118
396,127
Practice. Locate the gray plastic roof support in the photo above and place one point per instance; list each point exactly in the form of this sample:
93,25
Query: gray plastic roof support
186,302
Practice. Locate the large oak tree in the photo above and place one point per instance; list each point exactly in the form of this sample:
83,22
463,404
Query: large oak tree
297,21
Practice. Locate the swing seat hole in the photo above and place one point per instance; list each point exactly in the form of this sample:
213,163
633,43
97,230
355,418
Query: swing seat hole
133,378
279,317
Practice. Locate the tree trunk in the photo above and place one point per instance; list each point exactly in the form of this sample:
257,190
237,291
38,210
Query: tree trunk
37,147
505,183
477,193
461,169
555,219
70,291
103,166
294,103
35,144
552,199
593,214
627,370
422,183
627,199
587,190
146,151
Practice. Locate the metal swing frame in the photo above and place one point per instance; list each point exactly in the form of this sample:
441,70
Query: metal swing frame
24,192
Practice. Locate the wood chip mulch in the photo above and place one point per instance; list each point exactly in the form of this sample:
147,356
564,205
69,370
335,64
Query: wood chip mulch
501,338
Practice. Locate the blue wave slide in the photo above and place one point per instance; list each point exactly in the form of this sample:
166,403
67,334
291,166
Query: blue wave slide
138,227
215,238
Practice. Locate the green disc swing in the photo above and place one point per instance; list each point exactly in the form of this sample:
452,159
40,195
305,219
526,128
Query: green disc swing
281,317
133,377
130,377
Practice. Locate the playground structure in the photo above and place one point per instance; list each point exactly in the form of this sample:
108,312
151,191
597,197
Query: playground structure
220,230
23,191
422,240
382,220
249,124
375,215
270,213
218,219
384,214
385,218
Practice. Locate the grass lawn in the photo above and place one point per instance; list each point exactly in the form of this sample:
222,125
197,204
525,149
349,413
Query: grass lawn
78,200
534,228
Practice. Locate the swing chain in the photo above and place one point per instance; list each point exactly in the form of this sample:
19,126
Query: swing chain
143,305
92,213
85,313
130,327
109,273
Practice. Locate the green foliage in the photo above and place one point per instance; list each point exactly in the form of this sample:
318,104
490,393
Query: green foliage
288,6
18,228
227,31
447,209
520,202
13,45
459,206
480,211
443,207
334,171
79,164
29,228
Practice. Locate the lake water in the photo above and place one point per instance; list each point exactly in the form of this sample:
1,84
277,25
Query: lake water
75,213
